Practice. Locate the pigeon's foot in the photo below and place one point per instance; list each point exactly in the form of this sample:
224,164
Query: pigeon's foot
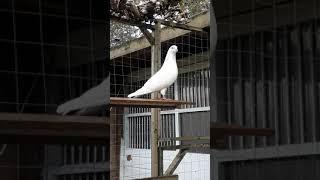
161,98
164,98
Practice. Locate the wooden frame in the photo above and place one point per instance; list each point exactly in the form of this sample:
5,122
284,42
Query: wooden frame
46,128
219,132
172,177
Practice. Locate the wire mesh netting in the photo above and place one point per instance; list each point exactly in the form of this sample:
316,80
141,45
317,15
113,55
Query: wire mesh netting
51,53
267,77
53,59
266,73
130,69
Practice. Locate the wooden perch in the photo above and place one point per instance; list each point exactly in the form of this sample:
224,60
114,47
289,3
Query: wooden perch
49,128
220,131
148,103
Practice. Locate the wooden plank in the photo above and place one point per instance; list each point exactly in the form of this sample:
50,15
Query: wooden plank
149,103
191,138
80,168
116,127
173,177
219,129
283,151
160,159
26,128
30,136
181,26
52,118
187,146
219,132
175,162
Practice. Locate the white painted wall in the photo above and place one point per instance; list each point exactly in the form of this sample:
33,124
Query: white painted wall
194,166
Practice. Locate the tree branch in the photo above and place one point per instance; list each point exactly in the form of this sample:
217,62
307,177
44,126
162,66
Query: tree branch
148,35
180,26
131,22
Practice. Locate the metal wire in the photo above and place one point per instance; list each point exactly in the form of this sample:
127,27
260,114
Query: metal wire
130,71
47,64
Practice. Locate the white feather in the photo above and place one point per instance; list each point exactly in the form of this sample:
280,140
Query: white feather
162,79
96,96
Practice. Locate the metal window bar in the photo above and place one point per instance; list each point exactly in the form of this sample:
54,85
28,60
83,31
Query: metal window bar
141,140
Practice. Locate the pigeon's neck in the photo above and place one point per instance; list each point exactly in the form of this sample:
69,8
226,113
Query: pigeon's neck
170,60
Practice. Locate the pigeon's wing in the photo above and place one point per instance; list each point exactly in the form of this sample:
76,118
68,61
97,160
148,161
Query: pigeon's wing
95,96
157,82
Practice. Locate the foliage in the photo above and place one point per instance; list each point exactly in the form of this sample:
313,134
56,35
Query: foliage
177,11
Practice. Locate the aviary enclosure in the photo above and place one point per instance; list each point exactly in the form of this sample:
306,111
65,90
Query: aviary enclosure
245,105
147,139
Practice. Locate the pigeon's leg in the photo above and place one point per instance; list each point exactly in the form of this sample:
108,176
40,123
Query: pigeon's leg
163,93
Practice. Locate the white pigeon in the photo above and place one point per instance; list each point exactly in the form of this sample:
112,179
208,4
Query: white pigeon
162,79
96,96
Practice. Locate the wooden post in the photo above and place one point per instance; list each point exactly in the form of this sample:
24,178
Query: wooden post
155,112
116,123
160,165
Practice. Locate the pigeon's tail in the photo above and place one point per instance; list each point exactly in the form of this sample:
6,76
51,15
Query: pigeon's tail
139,92
69,106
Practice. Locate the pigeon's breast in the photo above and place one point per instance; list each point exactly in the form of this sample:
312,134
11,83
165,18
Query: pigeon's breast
172,74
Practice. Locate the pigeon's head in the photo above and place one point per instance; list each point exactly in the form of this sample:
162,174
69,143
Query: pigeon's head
173,49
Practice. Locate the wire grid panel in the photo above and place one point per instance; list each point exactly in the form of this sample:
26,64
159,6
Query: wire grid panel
52,61
49,56
267,75
81,162
130,71
40,161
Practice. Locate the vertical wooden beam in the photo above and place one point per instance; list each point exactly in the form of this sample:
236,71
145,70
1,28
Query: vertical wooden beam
155,112
53,158
214,169
116,124
160,156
